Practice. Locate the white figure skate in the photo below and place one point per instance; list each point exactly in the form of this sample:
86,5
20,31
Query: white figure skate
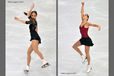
89,68
27,69
84,59
44,64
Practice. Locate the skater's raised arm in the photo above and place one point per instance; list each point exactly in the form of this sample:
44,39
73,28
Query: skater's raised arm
23,21
95,25
28,14
82,9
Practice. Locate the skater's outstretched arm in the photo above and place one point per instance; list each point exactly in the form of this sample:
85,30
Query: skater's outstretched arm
95,25
82,9
28,14
23,21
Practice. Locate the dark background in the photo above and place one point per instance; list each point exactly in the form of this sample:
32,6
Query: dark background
2,37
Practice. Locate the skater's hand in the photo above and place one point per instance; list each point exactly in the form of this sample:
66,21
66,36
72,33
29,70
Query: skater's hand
29,13
23,21
99,28
16,18
32,6
83,3
95,25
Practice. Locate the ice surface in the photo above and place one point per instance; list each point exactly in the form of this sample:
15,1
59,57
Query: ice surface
17,37
69,61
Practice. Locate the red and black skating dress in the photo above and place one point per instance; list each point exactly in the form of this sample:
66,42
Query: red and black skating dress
85,39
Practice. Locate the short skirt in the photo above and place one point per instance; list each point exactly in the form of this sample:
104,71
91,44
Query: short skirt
35,36
86,41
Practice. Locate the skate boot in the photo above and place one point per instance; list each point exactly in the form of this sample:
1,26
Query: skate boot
89,68
44,64
84,58
27,69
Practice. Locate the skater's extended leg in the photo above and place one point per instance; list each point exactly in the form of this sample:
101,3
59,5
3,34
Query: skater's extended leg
76,45
29,55
28,58
35,48
87,48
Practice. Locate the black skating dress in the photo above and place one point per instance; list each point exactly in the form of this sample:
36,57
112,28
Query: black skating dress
34,35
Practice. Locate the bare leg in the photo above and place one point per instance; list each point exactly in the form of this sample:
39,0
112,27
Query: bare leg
76,45
35,48
87,48
29,55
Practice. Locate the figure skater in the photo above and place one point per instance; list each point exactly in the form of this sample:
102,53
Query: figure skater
85,39
35,38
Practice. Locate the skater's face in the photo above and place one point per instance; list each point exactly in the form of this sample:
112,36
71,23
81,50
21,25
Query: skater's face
86,17
33,15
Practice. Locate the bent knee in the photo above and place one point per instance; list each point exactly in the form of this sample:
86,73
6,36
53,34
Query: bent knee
36,51
74,46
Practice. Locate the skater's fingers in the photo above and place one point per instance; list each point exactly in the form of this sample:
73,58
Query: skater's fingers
15,18
82,3
99,28
33,5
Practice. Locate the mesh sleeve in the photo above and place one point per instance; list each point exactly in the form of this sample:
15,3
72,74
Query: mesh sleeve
28,22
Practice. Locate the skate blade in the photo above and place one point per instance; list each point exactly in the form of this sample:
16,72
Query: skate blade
45,65
26,71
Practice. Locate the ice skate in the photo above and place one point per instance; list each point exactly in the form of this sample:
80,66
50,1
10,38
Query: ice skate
44,64
84,59
89,69
27,69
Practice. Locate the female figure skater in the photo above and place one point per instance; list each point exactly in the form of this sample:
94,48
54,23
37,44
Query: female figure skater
85,39
35,38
